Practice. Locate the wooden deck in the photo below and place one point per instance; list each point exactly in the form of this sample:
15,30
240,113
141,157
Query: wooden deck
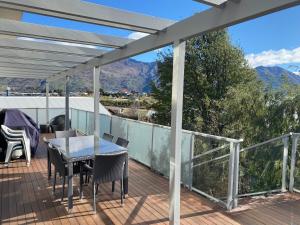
26,198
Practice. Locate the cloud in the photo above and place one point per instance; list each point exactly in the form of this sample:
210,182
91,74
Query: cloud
271,57
137,35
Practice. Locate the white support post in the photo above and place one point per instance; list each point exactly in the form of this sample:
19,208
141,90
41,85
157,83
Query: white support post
47,102
295,139
67,106
284,162
237,147
230,190
176,132
96,107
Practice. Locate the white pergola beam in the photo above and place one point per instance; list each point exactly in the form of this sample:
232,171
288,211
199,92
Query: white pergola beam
42,56
44,73
22,76
209,20
13,69
212,2
34,62
30,67
29,30
18,44
89,13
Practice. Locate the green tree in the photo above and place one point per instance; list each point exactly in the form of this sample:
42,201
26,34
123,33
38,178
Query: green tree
212,66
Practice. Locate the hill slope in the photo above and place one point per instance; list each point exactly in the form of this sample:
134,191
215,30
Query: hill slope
127,74
275,76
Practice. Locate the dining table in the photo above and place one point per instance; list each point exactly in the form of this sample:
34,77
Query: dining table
80,149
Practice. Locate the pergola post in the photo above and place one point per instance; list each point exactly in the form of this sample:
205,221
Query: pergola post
47,102
96,106
176,132
67,106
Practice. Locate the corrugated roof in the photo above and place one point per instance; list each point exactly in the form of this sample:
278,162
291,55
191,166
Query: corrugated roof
24,102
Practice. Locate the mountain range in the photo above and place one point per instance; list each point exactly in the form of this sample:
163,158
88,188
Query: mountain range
275,76
132,75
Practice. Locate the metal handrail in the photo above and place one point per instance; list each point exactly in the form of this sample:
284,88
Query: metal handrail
210,151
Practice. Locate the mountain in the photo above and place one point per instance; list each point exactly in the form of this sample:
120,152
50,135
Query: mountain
132,75
129,74
275,76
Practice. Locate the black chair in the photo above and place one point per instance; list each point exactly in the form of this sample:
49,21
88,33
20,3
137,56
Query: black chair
65,134
108,137
60,167
107,168
122,142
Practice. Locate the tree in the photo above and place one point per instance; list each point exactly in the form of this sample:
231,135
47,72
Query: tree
212,66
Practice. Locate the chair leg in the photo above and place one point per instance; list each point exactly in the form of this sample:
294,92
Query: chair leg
8,153
94,196
54,181
63,188
122,192
113,186
97,188
81,183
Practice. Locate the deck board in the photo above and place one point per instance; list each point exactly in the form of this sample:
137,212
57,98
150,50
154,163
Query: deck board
27,198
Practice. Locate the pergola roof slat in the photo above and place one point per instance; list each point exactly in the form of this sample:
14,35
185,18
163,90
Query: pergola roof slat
28,66
212,19
34,62
212,2
41,56
90,13
12,69
22,76
22,29
60,49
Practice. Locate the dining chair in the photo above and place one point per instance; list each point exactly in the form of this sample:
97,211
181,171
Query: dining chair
60,167
108,137
122,142
107,168
65,134
16,140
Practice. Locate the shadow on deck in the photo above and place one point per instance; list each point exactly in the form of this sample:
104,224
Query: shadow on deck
27,198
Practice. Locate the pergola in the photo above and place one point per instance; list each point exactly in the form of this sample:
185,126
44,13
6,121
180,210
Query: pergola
49,60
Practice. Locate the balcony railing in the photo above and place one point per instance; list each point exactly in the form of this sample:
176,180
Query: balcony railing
213,166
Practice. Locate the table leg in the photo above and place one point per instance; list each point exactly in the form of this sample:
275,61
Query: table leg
70,186
49,164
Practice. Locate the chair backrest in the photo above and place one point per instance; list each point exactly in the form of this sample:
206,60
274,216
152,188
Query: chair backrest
122,142
10,134
56,160
109,168
108,137
65,134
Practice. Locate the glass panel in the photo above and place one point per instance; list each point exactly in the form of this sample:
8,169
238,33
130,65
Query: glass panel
74,118
42,116
82,121
161,152
140,141
297,168
119,127
104,124
261,168
210,175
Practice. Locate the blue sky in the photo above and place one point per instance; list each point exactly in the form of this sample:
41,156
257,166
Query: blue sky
269,40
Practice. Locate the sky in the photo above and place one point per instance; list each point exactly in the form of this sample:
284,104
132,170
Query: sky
267,41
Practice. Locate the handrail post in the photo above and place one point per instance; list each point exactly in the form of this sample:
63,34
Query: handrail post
293,161
284,162
236,174
191,162
231,176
